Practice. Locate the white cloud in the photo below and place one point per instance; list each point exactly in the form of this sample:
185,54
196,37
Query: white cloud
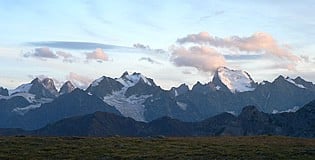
203,58
98,55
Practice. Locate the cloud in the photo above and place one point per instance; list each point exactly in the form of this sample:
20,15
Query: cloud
259,42
75,45
203,58
147,48
79,80
41,53
305,58
45,53
141,46
186,72
98,55
243,57
150,60
67,57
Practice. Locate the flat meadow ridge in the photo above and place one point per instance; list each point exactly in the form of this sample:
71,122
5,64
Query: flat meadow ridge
159,147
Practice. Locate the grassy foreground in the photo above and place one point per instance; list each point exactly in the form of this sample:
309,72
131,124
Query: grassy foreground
261,147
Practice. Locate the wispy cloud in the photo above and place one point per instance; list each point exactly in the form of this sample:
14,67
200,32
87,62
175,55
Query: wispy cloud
150,60
186,72
75,45
45,53
67,57
41,53
141,46
147,48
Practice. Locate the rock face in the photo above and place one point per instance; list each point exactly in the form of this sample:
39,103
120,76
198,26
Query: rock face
176,91
104,86
4,92
75,103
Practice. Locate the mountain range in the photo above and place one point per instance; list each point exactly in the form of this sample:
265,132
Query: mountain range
37,104
250,122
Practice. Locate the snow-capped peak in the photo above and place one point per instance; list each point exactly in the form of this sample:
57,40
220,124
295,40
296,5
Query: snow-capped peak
293,82
234,80
130,80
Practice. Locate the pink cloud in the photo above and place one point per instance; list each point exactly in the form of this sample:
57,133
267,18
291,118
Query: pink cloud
258,42
201,57
98,55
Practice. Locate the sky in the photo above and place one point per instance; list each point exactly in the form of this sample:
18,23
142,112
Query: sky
170,41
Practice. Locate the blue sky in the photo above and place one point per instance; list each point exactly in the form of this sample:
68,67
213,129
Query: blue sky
115,26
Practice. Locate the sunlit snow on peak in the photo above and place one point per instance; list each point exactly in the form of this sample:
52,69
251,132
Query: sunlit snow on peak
235,80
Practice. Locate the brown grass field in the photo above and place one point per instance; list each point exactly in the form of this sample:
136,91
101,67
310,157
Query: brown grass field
259,147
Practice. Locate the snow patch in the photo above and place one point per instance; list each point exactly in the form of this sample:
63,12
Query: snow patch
176,93
22,111
291,81
231,112
294,109
128,106
182,106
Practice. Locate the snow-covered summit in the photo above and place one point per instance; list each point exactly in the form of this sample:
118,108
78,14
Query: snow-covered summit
234,80
128,80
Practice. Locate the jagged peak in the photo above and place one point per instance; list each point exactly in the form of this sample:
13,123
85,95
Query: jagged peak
48,83
281,79
67,87
299,78
35,80
100,80
124,74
